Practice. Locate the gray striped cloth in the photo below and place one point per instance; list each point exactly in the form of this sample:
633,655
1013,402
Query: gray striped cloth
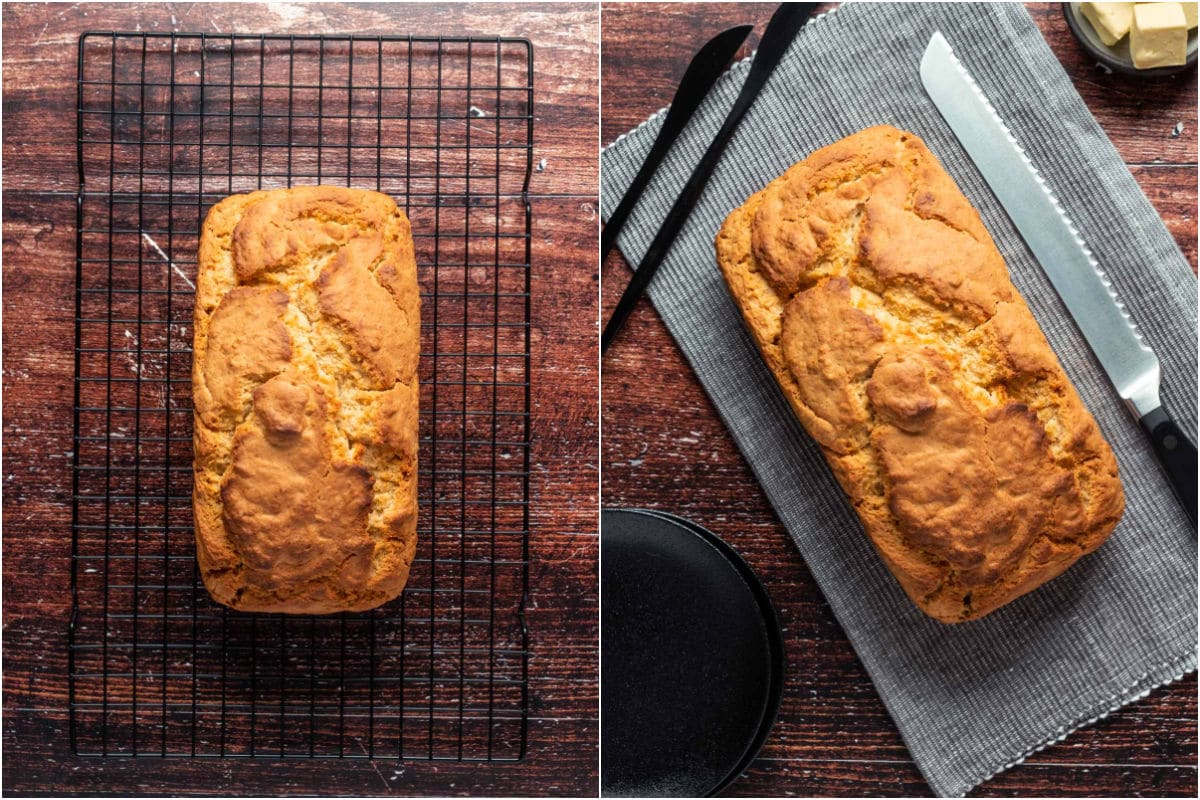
973,699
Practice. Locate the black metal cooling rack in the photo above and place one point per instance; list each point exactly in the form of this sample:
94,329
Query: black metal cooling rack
168,124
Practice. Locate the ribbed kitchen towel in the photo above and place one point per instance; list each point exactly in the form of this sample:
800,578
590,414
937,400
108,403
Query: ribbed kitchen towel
970,699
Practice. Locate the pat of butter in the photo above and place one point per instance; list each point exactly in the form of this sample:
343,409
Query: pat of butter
1158,36
1189,13
1110,20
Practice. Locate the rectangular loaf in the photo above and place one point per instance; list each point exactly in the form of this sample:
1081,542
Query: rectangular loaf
304,379
886,313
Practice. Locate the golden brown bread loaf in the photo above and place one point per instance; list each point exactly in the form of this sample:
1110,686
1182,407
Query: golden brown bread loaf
307,335
886,313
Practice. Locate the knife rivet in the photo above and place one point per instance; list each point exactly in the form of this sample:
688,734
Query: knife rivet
1170,442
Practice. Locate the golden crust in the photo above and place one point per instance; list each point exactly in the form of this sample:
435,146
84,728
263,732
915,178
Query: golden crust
883,308
307,335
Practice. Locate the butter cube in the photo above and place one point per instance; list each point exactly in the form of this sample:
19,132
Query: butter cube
1158,36
1189,13
1110,20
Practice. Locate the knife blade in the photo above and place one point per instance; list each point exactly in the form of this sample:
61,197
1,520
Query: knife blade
706,66
777,38
1063,255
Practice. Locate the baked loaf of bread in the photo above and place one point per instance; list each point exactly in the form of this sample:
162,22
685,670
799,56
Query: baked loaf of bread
307,335
886,313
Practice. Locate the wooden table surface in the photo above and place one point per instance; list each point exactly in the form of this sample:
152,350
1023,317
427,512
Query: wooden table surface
833,736
39,306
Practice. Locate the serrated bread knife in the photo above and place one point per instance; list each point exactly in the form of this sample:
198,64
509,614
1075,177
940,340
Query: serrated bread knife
1064,256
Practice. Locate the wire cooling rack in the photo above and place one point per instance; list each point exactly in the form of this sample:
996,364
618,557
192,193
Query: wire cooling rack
169,124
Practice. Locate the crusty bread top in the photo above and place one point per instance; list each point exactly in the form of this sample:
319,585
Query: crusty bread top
887,314
304,379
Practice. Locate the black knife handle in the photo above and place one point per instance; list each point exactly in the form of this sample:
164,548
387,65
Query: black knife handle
1178,456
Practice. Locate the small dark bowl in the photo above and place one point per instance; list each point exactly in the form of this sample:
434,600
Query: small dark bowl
1117,56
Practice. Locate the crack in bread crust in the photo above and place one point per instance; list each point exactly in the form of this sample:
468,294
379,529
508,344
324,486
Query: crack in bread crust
306,342
884,310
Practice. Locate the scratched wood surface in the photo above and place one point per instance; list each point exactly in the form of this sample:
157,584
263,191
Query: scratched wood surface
40,182
833,736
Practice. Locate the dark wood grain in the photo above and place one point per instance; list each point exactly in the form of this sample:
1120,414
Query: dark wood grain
42,61
38,301
833,736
